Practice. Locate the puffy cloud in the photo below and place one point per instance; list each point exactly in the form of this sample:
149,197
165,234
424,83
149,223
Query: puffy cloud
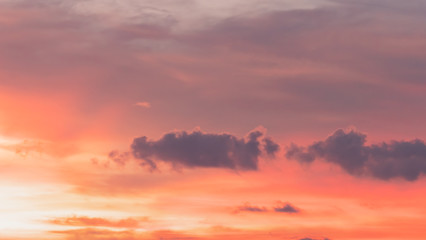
270,147
406,159
198,149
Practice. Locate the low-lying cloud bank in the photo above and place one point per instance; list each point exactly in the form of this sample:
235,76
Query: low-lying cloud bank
198,149
406,159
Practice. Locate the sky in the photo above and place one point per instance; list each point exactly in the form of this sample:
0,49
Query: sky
208,120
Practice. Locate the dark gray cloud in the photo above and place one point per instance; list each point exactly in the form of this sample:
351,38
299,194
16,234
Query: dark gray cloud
286,208
199,149
406,159
271,147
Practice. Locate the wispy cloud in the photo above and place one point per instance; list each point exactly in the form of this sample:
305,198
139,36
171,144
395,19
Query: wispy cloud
250,208
82,221
144,104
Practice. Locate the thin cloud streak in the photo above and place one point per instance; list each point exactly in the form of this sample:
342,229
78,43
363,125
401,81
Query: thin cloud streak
144,104
96,222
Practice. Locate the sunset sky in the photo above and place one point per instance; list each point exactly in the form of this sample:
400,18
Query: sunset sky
212,119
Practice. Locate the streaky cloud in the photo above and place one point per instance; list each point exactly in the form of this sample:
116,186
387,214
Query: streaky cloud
96,222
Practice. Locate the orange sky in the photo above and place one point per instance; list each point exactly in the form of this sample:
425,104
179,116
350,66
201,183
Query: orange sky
193,119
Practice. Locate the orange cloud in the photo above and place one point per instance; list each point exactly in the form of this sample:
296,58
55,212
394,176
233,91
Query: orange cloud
97,222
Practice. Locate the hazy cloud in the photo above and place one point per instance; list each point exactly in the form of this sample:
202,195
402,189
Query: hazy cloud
118,157
97,222
250,208
24,147
96,234
199,149
406,159
144,104
327,65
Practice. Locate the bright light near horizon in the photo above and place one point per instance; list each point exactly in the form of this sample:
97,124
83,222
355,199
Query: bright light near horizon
5,148
7,141
19,217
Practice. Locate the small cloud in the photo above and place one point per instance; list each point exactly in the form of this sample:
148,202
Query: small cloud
250,208
120,158
144,104
286,208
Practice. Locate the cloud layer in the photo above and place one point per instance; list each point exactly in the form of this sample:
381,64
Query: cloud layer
406,159
199,149
330,66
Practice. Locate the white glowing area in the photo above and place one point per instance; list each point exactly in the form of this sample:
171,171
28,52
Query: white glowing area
19,214
7,141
